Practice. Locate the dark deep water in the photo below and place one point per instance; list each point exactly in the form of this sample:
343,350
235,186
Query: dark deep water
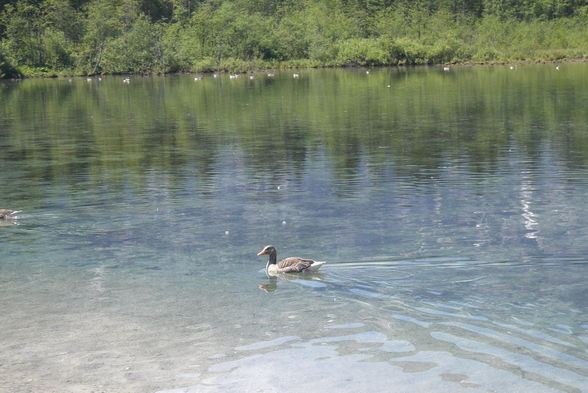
451,208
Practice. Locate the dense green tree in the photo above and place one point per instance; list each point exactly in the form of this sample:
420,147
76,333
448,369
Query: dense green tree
137,50
182,10
102,24
534,9
157,10
62,16
23,30
292,40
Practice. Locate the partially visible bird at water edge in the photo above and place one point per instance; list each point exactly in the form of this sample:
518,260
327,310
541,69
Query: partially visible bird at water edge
8,214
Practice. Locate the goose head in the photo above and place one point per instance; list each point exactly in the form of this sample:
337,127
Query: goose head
271,251
267,250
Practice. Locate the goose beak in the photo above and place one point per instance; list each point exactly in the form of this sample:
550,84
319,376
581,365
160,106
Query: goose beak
262,252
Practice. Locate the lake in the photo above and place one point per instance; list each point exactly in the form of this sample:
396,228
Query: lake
451,207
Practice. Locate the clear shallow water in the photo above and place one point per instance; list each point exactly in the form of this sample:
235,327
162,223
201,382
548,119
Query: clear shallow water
450,207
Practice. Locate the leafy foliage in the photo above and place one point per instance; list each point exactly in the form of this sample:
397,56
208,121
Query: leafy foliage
6,69
158,36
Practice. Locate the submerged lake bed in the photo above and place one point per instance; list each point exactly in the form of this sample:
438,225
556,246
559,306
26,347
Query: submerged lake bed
450,207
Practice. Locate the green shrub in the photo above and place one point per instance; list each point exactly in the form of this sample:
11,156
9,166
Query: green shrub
407,51
486,55
440,53
362,51
232,64
206,64
7,71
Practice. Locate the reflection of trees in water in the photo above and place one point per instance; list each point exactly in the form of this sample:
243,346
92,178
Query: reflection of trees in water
442,155
424,122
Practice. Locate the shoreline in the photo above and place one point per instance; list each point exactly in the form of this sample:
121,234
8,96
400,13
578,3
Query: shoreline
301,65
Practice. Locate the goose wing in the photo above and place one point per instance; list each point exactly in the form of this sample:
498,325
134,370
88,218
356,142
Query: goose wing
294,265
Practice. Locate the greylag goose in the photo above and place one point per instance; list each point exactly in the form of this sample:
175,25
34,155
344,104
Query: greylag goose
288,265
7,214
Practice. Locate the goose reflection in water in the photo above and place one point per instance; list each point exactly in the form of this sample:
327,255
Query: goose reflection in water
7,223
309,279
270,286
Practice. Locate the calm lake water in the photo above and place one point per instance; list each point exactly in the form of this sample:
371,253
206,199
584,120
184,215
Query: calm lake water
451,207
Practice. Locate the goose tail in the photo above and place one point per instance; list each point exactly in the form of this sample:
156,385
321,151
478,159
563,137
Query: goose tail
316,265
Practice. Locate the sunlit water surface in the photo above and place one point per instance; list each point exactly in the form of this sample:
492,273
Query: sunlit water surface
450,206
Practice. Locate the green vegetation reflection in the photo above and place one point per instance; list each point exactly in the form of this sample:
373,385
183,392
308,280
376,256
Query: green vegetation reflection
100,130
